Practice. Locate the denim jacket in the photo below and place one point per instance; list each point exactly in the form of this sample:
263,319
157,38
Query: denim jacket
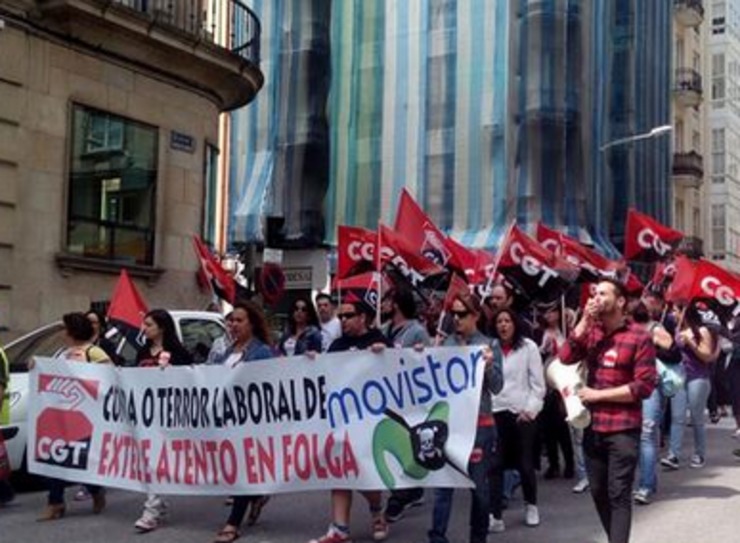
255,350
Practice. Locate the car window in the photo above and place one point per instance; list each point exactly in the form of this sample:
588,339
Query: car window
198,335
47,342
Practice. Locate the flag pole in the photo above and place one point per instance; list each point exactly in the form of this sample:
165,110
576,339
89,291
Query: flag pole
378,271
497,261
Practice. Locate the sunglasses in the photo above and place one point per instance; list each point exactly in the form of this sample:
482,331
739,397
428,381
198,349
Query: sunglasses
301,308
460,314
343,316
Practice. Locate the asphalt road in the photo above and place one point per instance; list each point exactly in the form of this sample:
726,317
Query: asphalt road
692,506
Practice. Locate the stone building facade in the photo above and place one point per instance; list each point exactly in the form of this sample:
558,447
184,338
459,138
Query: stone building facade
109,142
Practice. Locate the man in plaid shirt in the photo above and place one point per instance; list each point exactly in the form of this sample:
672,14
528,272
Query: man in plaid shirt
620,358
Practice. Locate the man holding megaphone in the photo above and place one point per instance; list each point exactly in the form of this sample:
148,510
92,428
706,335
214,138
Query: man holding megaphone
620,358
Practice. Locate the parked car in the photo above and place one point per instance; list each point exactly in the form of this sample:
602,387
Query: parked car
197,330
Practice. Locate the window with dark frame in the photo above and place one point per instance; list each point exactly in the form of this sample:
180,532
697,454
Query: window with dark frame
112,187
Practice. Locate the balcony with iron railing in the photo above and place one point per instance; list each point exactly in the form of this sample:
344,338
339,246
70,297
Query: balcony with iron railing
688,169
687,87
689,13
212,45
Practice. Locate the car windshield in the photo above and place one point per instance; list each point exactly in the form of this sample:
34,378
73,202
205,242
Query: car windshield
45,342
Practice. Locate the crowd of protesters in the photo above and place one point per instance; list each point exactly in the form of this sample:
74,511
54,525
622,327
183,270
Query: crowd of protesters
645,363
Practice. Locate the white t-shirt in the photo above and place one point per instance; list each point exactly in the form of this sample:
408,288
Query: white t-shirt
330,331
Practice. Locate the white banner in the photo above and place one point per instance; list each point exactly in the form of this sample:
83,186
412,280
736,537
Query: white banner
355,420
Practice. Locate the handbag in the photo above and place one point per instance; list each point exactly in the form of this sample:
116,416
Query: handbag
672,377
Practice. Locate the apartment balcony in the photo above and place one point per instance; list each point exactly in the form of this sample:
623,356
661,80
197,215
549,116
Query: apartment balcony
689,13
688,169
687,88
692,247
210,45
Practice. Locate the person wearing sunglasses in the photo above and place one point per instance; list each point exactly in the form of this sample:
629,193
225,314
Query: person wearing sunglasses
466,311
303,334
356,317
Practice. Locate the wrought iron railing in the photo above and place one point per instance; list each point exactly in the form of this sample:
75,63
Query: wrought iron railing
227,23
688,79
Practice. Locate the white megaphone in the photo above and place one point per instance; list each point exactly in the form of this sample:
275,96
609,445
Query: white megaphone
567,380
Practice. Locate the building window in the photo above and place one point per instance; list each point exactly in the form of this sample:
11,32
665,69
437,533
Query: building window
112,187
210,198
718,228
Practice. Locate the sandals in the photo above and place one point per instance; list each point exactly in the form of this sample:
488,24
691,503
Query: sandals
227,535
255,509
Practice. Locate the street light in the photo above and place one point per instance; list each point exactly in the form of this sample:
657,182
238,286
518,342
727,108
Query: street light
657,131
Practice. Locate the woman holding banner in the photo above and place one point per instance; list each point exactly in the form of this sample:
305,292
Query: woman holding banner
161,349
303,334
466,313
250,341
78,336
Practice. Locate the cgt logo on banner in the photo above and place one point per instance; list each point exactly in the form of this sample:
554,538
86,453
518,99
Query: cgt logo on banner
63,430
371,421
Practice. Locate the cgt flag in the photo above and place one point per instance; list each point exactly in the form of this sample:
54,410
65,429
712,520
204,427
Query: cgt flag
127,309
535,271
592,265
422,234
715,295
646,240
355,251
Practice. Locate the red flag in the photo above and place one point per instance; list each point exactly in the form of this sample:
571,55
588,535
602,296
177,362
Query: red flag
421,233
715,294
362,288
355,251
222,283
457,286
682,272
126,305
646,240
535,271
405,259
593,265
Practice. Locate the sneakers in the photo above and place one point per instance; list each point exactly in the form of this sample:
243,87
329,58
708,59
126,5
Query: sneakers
146,523
670,462
531,515
395,508
736,434
496,525
379,527
641,496
82,494
697,462
581,486
334,535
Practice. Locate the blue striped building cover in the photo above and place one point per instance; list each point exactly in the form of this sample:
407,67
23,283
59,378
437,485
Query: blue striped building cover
486,110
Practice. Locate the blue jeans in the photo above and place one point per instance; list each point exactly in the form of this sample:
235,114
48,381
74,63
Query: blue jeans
478,467
694,395
576,435
652,413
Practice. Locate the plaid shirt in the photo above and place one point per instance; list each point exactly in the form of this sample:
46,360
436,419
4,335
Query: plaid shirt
624,357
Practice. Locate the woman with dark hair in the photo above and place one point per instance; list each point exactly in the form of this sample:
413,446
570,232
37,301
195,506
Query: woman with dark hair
100,327
304,332
250,341
161,349
162,346
78,334
515,409
699,349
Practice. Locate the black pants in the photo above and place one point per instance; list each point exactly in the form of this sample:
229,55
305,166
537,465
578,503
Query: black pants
611,460
239,509
516,450
556,433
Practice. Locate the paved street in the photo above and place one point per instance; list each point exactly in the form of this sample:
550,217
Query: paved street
693,506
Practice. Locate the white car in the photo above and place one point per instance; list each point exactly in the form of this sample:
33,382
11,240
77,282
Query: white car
197,330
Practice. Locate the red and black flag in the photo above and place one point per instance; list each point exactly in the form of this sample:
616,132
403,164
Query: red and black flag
422,234
401,258
356,250
646,240
593,266
221,282
126,310
714,295
537,273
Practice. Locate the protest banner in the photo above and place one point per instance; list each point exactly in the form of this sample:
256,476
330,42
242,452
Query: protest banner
356,420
